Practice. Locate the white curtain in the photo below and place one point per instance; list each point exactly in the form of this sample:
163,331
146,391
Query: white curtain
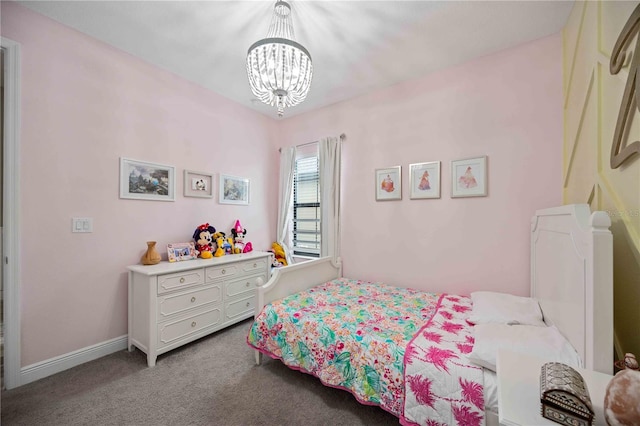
285,201
329,152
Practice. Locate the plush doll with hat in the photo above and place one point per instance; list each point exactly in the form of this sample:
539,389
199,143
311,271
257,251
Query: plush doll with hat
239,246
203,236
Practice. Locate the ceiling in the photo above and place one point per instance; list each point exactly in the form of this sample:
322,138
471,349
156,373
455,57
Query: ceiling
356,46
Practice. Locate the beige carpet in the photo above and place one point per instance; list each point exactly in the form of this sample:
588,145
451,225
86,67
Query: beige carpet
213,381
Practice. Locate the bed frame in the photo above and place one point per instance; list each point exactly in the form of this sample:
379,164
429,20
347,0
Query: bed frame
571,276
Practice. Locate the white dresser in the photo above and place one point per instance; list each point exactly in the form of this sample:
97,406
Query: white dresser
171,304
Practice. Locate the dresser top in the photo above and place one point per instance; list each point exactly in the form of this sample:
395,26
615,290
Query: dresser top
167,267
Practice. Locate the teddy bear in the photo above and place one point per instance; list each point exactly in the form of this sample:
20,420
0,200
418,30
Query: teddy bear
239,246
203,236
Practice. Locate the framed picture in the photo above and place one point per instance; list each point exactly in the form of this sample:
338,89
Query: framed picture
424,179
146,181
178,252
469,177
198,184
234,190
389,183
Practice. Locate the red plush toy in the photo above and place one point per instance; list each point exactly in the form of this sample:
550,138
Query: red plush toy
203,236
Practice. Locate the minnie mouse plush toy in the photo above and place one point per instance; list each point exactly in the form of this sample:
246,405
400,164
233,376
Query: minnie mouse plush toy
239,246
203,236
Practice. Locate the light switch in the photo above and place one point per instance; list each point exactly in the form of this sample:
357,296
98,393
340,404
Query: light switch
81,224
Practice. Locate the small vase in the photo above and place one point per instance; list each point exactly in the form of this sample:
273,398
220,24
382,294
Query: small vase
151,257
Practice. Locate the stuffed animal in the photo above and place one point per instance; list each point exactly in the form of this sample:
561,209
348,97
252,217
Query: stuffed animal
275,263
203,236
239,246
228,245
219,238
278,251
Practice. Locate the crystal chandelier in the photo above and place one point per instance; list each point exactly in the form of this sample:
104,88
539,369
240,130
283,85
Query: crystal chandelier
278,67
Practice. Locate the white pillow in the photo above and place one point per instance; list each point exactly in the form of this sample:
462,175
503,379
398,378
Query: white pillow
542,342
503,308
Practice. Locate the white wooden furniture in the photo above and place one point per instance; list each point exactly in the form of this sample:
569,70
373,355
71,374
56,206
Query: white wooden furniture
171,304
571,276
572,279
519,390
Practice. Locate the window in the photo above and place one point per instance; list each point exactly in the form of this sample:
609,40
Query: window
306,202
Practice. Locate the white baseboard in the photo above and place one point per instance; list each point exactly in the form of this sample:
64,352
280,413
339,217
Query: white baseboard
42,369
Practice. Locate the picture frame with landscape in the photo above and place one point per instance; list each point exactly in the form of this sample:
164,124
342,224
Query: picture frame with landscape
142,180
234,190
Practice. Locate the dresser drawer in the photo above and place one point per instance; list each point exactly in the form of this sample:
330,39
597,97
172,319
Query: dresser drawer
216,272
171,331
175,303
242,286
179,280
240,307
172,304
254,266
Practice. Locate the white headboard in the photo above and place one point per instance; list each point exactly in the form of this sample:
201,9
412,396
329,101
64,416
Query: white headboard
572,278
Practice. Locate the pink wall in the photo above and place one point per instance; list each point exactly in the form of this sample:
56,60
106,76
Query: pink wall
507,106
85,105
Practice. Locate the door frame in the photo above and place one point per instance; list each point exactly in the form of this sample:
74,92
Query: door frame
11,214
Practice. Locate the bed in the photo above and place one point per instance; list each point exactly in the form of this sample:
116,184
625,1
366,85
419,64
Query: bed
414,353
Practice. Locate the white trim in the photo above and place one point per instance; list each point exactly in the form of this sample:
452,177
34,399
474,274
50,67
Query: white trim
297,258
45,368
11,203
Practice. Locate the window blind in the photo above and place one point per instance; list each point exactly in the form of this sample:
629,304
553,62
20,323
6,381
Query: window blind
306,202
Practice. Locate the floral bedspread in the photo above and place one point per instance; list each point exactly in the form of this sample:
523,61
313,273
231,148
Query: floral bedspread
442,386
350,334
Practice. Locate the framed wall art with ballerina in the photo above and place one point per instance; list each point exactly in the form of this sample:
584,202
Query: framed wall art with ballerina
389,183
424,179
469,177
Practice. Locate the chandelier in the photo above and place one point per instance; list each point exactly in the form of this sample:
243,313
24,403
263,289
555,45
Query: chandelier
278,67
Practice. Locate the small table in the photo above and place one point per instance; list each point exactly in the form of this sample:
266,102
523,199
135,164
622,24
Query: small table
519,390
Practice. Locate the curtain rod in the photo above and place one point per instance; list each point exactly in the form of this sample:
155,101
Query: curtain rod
342,137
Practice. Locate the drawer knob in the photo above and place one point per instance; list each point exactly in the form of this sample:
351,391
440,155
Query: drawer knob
255,265
248,304
193,324
248,283
223,271
193,299
181,280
